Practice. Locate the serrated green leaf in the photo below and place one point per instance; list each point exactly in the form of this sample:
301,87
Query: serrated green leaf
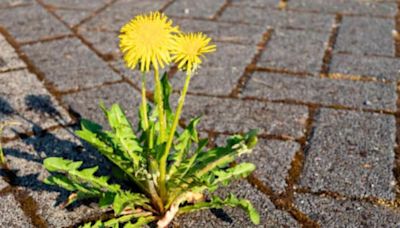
125,199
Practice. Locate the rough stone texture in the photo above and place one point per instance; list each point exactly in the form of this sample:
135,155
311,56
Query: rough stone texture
107,43
188,8
235,217
378,67
360,35
26,156
11,214
72,17
273,160
351,153
300,51
86,103
14,3
346,213
233,115
8,57
29,23
220,72
277,18
324,91
25,100
256,3
69,65
77,4
373,8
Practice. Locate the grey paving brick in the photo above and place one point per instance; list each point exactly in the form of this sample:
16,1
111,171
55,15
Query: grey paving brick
188,8
351,153
354,94
25,100
135,76
121,12
277,18
364,35
8,57
77,4
14,3
107,43
221,70
378,67
294,50
11,214
31,23
374,8
232,115
86,103
72,17
256,3
25,159
235,217
68,64
273,160
346,213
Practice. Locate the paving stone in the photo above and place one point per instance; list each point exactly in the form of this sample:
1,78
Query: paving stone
278,18
188,8
11,214
256,3
135,76
354,94
294,50
235,217
72,17
24,99
77,4
8,57
25,158
234,116
121,12
373,8
346,213
69,65
340,159
379,67
14,3
363,35
86,103
107,43
273,160
31,23
220,72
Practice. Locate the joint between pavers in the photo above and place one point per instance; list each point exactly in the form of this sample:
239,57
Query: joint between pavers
221,10
396,169
47,39
95,13
396,32
326,60
165,7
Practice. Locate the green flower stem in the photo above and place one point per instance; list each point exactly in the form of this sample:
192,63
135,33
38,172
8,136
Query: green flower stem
163,163
2,158
160,106
144,103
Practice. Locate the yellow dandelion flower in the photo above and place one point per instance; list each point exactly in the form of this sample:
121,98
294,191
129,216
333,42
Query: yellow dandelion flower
189,49
146,41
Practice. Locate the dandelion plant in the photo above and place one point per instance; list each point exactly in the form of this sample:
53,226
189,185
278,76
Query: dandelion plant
167,168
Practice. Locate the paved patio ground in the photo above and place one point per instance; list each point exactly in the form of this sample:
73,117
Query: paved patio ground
319,78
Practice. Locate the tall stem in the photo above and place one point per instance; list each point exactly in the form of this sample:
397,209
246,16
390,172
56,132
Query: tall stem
144,103
163,162
160,106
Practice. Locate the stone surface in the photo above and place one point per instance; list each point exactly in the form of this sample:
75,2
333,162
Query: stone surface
235,217
72,17
294,50
233,116
354,94
188,8
25,100
351,153
378,67
30,23
276,18
25,158
69,65
360,35
9,59
14,3
11,214
106,43
256,3
77,4
86,103
346,213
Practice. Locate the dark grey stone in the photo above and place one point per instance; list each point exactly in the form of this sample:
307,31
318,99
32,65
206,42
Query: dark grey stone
235,116
107,43
24,99
8,57
188,8
295,50
354,94
364,35
277,18
31,23
86,103
346,213
378,67
351,153
11,214
235,217
70,65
